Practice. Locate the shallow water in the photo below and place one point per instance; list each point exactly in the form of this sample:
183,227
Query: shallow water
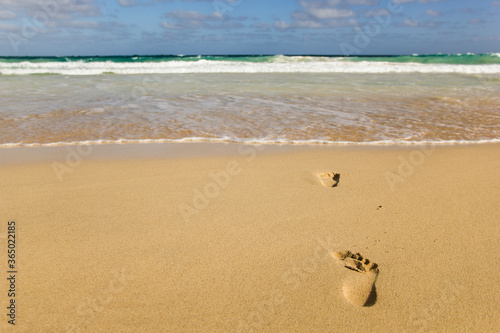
250,107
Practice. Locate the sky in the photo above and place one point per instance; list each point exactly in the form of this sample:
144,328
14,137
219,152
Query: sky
150,27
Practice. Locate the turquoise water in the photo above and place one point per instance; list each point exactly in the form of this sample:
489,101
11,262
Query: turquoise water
464,64
450,59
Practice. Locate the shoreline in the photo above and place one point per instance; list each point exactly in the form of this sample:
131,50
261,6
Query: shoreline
256,142
39,153
227,237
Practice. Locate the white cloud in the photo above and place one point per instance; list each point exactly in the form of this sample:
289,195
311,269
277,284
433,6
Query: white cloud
82,8
7,15
170,26
55,17
79,24
192,15
410,23
330,13
261,26
127,3
475,21
133,3
189,20
316,14
431,12
309,24
420,1
281,25
362,2
6,27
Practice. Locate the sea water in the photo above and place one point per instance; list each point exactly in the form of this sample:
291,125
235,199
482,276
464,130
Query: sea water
250,99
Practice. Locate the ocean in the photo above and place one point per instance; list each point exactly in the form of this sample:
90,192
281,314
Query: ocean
282,99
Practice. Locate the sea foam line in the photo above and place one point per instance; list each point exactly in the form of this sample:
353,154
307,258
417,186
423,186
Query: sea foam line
205,66
251,142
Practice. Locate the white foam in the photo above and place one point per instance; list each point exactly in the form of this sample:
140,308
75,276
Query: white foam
279,65
254,141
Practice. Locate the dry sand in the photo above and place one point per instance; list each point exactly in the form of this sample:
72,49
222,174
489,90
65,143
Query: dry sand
230,238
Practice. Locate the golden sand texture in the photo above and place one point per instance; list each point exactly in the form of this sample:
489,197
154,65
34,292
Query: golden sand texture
242,239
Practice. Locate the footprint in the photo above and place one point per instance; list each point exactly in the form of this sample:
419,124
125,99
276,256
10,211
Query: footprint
359,287
329,179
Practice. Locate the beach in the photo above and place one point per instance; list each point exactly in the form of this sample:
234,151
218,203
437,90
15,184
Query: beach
220,237
250,193
249,166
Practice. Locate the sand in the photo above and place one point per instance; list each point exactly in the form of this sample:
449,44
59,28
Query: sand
236,238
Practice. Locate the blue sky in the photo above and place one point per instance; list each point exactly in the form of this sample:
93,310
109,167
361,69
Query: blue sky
98,27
